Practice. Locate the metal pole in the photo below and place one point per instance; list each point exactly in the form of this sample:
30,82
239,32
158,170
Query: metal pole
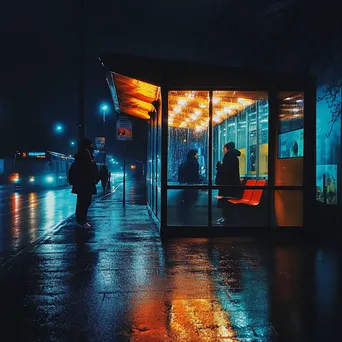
210,157
81,62
104,134
124,177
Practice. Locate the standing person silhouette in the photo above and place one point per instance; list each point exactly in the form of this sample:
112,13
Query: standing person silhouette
104,177
83,176
188,174
228,175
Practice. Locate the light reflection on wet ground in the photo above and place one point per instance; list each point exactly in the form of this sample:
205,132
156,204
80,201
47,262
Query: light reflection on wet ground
121,283
26,215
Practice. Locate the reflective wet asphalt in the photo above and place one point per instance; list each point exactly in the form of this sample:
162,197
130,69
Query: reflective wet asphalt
27,214
120,282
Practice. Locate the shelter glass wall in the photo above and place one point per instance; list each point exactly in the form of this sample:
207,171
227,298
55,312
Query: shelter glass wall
235,116
241,117
188,120
153,175
328,146
289,161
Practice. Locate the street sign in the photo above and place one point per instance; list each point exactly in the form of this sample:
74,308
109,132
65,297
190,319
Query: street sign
100,143
124,129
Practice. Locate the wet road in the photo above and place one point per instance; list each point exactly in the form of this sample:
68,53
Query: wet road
120,282
27,215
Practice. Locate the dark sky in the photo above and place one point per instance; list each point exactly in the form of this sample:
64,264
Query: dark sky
39,60
39,53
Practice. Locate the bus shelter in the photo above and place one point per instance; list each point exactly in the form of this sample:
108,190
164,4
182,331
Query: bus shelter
270,117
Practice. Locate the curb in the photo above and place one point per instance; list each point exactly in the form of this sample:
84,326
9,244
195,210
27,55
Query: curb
5,267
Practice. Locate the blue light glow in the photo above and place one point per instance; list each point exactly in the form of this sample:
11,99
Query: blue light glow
35,154
104,107
59,128
49,179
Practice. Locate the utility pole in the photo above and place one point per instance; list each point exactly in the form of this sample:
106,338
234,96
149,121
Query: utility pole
104,134
81,65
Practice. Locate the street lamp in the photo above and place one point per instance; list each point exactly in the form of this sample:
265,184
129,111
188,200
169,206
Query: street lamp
59,128
104,109
72,143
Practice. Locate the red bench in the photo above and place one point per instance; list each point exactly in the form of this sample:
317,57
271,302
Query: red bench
247,194
251,196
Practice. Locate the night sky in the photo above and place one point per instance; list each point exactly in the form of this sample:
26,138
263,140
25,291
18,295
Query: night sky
39,55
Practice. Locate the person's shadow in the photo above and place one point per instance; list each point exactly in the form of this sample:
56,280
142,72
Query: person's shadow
81,265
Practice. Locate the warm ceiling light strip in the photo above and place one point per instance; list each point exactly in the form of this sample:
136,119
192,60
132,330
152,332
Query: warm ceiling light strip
192,111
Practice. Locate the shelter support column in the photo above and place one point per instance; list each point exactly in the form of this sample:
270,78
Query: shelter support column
164,161
309,179
272,151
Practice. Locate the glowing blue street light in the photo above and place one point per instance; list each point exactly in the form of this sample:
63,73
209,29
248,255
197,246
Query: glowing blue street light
59,128
104,108
72,143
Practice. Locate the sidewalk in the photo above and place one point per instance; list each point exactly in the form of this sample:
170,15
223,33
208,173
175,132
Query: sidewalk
121,283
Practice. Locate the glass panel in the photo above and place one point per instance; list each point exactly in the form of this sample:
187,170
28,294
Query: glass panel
289,164
249,209
216,147
159,153
291,125
154,167
288,208
188,119
231,129
242,141
328,152
159,201
251,111
187,207
263,138
241,117
149,165
326,184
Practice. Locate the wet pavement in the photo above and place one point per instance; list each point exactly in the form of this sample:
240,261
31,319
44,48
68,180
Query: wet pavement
120,282
27,214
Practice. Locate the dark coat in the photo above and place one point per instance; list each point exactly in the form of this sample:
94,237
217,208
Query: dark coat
229,174
191,171
87,173
237,152
103,174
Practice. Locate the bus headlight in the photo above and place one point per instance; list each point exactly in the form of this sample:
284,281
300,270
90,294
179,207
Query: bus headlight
31,179
15,178
49,179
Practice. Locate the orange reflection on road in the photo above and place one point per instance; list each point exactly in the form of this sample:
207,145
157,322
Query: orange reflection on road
16,207
33,215
181,306
200,320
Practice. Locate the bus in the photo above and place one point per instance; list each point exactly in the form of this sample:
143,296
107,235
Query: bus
49,169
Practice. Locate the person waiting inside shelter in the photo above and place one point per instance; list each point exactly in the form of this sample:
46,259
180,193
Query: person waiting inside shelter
228,175
188,173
